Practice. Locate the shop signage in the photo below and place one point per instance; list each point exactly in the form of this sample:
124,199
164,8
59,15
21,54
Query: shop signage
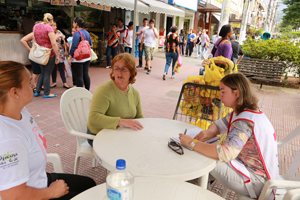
70,3
107,8
58,2
45,0
191,5
161,31
92,5
162,40
127,16
235,25
99,7
202,3
84,3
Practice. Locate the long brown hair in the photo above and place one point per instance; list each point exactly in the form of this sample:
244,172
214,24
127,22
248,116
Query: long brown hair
11,75
129,62
247,98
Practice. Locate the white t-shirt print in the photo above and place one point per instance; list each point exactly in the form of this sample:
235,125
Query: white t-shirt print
22,153
149,36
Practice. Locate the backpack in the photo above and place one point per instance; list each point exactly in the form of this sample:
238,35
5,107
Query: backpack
83,50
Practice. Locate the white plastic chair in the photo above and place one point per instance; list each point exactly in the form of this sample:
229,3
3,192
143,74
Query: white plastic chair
74,109
288,180
54,158
292,195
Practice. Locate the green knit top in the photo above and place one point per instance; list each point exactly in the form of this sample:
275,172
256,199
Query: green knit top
110,103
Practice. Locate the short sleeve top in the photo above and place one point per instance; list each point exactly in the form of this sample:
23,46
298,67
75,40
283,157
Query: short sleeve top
41,32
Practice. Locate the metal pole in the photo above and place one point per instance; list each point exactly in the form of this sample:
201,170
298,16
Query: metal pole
225,13
134,28
244,22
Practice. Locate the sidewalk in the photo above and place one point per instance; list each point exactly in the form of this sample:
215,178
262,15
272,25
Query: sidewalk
159,99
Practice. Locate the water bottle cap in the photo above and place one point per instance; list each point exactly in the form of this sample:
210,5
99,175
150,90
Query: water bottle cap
121,164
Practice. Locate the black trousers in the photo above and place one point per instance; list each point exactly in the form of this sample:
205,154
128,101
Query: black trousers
81,74
141,54
76,183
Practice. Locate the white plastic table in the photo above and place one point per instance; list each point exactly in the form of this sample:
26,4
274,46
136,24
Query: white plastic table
154,188
147,153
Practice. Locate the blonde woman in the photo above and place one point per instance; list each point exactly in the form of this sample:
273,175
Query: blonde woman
247,157
44,36
61,50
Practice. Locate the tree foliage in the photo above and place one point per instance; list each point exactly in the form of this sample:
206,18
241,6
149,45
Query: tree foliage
282,49
291,13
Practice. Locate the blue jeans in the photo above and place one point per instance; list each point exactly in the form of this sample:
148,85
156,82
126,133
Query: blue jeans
128,49
189,47
111,51
169,58
44,78
203,51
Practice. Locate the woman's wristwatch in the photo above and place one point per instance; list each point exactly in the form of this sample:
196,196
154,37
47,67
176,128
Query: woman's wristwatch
193,144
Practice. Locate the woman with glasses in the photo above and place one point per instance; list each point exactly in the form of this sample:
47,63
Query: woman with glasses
116,102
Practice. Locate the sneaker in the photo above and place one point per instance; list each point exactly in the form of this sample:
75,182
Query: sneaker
107,67
145,68
173,77
149,70
164,76
139,66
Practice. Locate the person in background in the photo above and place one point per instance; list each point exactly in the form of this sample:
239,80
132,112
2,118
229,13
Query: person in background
27,24
44,36
204,43
149,36
215,37
198,43
116,102
112,44
128,38
23,145
223,46
237,53
80,68
190,43
17,17
121,29
69,45
247,155
61,66
140,35
171,51
181,41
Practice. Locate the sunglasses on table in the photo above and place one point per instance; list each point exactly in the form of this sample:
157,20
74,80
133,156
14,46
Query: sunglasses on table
175,147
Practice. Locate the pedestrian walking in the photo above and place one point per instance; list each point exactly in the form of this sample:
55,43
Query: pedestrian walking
204,43
149,37
198,43
190,43
112,39
215,37
80,68
140,35
128,38
181,41
172,51
122,30
44,36
60,66
237,53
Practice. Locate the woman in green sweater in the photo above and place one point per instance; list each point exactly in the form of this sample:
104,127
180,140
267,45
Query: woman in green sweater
116,103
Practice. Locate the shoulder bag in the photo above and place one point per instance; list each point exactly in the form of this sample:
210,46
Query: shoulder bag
39,54
213,51
83,50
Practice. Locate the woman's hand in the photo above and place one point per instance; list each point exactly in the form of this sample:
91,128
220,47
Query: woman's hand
59,188
57,60
204,135
69,61
185,139
131,123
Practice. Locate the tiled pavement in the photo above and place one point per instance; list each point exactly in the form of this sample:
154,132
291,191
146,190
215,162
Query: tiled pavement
159,99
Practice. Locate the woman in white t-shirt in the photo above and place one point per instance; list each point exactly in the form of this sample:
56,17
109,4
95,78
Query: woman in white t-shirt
128,38
23,145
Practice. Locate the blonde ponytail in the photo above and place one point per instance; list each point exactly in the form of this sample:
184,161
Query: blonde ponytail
47,18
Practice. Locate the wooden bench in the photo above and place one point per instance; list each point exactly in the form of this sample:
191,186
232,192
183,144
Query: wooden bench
262,70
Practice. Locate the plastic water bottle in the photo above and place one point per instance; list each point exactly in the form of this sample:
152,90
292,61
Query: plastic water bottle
119,183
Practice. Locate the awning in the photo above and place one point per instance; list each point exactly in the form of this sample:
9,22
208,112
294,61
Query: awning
217,16
160,7
124,4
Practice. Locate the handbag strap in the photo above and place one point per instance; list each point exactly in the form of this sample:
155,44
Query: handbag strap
82,38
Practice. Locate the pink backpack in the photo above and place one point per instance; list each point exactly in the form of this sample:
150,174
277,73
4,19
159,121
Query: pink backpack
83,50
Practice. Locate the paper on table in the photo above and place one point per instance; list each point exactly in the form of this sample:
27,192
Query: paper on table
193,132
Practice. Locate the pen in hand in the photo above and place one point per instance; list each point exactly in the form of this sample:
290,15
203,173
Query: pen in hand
185,131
